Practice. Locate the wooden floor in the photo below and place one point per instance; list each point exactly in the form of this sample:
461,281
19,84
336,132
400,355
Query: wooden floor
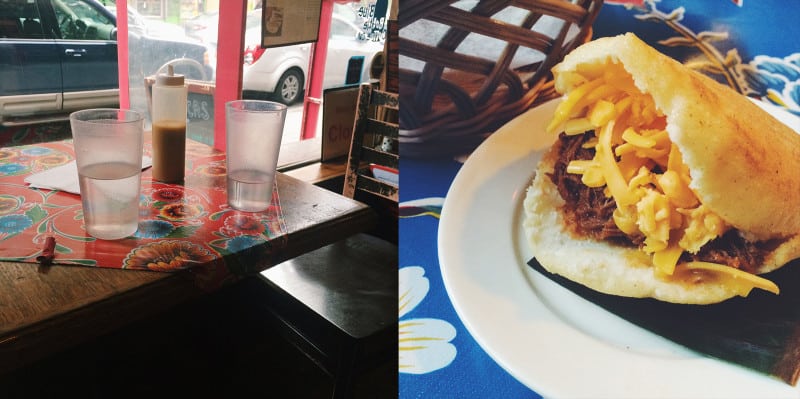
216,347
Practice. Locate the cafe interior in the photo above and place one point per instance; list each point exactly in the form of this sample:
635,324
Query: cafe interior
297,300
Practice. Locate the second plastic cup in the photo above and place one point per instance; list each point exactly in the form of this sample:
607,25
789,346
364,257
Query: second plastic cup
108,152
253,140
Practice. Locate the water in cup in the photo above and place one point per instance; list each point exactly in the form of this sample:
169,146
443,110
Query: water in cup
114,188
108,152
250,190
253,131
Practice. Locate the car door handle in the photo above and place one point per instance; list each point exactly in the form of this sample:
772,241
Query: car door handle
75,52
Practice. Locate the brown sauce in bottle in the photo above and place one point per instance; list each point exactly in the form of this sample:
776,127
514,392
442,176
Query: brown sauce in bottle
169,151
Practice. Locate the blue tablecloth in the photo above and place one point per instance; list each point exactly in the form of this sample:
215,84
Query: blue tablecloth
438,356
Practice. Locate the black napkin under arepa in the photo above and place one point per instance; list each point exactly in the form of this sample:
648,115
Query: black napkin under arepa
761,331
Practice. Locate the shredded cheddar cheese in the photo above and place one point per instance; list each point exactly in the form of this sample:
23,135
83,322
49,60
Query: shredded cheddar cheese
665,261
743,282
643,171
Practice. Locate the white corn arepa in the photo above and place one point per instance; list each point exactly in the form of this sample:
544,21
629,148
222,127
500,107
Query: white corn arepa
743,164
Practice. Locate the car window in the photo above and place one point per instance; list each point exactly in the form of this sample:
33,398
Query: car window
342,29
344,12
80,21
20,19
136,22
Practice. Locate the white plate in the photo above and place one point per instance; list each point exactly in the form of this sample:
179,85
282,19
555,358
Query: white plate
550,339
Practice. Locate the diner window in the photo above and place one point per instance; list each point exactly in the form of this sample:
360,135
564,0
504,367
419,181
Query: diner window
357,31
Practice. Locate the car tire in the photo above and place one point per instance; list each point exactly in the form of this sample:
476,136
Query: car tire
290,87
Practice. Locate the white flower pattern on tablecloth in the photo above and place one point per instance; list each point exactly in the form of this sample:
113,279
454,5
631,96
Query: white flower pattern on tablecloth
424,344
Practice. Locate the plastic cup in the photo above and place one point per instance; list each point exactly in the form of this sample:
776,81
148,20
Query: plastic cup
108,152
253,140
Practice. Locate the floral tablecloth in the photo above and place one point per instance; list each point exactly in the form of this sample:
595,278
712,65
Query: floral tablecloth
180,225
741,43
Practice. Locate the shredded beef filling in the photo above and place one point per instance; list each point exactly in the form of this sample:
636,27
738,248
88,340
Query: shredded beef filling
589,212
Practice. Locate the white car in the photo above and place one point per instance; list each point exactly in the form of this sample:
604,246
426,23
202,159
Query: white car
281,73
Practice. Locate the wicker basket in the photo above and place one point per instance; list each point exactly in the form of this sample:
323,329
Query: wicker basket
468,67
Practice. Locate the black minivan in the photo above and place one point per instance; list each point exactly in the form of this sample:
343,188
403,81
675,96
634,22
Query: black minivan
57,56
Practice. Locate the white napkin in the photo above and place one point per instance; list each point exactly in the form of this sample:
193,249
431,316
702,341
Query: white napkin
65,177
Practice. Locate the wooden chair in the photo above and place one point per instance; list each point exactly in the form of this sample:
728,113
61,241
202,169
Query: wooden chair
338,304
376,117
376,123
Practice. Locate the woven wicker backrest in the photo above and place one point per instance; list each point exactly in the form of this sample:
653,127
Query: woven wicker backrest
468,67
